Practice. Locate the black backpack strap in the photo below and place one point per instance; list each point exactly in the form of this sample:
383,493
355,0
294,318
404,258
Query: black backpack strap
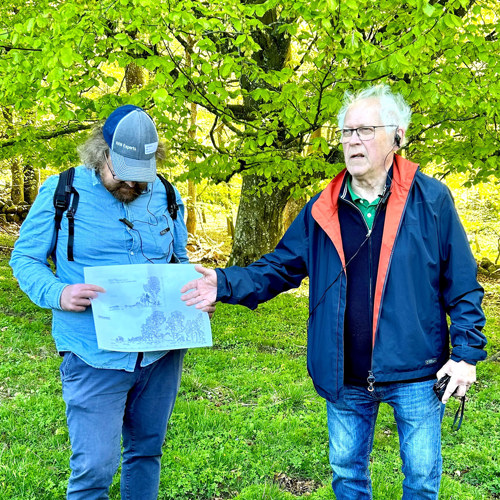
172,206
62,194
70,214
66,198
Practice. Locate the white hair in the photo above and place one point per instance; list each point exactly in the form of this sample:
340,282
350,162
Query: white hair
393,108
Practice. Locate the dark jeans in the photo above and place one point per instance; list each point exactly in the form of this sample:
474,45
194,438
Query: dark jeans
102,406
351,425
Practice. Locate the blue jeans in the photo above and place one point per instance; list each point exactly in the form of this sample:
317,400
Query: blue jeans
102,406
351,425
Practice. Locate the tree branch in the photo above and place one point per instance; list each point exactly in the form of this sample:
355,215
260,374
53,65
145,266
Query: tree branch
9,48
71,129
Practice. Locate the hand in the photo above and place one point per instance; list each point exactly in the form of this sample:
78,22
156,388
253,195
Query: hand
210,310
462,376
77,298
203,290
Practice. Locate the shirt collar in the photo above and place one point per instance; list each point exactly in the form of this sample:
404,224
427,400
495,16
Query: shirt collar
358,199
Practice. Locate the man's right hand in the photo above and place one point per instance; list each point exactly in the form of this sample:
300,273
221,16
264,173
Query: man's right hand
203,291
77,298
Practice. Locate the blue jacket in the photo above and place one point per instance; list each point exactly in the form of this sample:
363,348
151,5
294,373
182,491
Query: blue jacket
100,240
426,272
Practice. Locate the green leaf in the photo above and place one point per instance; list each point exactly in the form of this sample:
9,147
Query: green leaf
428,9
452,21
67,56
67,115
30,24
401,58
55,75
348,22
121,37
260,10
42,21
109,80
238,26
160,95
324,146
240,39
227,67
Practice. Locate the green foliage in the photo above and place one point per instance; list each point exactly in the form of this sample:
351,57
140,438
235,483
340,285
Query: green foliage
268,73
247,423
479,207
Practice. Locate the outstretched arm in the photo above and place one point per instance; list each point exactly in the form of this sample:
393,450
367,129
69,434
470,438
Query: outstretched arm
202,292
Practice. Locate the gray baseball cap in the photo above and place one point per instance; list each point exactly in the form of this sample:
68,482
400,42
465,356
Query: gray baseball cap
132,139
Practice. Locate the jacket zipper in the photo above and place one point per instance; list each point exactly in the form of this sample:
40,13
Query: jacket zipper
370,379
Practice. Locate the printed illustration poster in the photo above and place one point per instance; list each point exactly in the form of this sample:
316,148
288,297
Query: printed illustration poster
142,308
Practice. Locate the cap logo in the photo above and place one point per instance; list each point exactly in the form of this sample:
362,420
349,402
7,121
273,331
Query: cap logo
150,148
125,146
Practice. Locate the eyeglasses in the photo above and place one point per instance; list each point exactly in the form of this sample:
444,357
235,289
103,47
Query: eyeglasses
364,133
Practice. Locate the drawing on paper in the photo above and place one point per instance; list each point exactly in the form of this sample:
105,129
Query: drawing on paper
142,311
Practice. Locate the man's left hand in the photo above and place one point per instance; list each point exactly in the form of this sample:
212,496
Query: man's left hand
462,376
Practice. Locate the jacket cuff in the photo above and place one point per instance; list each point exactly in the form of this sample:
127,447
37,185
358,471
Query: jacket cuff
468,354
223,289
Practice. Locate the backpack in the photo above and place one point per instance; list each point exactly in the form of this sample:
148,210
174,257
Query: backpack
64,201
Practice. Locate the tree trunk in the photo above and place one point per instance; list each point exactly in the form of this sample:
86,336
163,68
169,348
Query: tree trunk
230,227
17,193
259,224
191,202
292,209
31,184
191,208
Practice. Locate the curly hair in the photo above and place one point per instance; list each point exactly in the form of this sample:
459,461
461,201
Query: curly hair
94,150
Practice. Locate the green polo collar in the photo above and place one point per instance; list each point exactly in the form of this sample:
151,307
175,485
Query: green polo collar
368,209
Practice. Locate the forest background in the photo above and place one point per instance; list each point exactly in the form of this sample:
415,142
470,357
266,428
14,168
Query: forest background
245,95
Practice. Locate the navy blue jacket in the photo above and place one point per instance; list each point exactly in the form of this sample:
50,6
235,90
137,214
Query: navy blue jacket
426,271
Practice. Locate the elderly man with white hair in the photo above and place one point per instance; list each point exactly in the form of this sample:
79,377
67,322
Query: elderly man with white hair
388,262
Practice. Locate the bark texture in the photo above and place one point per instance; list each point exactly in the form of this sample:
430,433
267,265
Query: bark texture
17,171
259,224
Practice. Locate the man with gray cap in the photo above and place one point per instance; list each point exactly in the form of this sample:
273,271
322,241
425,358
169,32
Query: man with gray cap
122,218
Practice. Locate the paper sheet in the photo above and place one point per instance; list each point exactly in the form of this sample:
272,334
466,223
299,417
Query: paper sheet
142,308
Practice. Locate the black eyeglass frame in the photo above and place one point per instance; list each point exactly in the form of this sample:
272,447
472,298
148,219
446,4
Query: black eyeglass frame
350,132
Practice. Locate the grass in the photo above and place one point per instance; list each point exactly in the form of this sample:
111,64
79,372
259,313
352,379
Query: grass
247,425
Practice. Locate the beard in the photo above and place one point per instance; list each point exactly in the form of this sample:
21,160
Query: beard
124,193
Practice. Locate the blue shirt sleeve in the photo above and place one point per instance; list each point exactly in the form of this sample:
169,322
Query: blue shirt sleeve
30,257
